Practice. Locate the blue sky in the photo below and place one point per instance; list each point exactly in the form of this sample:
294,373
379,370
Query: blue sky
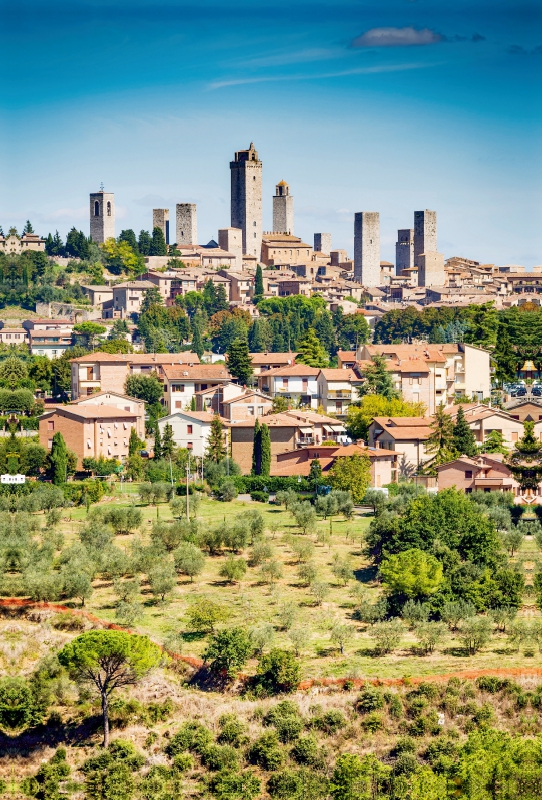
388,105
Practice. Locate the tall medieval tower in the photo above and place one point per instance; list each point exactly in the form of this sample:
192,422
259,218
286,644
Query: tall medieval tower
102,216
367,248
246,199
425,234
283,209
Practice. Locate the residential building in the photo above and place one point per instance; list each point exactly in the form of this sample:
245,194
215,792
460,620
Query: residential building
336,390
298,462
283,249
316,428
182,383
163,281
190,430
117,400
89,431
13,335
15,244
297,383
241,284
484,473
525,410
127,298
246,405
99,372
262,362
98,295
406,436
50,343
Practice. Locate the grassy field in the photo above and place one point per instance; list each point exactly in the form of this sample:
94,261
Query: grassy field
251,601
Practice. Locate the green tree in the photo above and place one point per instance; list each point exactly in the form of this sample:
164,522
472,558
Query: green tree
412,573
197,339
265,451
240,362
77,244
129,237
258,283
311,351
463,441
356,778
315,474
152,297
109,660
278,672
351,474
360,416
158,243
441,440
504,356
135,444
216,448
144,243
228,651
378,380
89,331
256,448
58,459
162,579
204,614
233,569
495,443
168,443
189,560
144,387
158,454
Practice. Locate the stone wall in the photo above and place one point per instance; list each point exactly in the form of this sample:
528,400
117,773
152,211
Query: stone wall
66,311
283,214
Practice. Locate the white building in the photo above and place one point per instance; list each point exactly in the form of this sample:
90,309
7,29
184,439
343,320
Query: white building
297,382
182,382
190,429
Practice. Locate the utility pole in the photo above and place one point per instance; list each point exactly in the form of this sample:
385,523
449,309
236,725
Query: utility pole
187,493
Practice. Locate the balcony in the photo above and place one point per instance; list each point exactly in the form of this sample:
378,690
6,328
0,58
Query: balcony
339,395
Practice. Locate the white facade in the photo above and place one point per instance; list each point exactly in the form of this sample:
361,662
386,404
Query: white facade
299,388
190,430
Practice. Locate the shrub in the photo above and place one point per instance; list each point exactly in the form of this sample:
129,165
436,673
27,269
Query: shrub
260,497
243,785
233,569
278,672
232,730
370,699
183,762
65,621
228,651
475,633
372,722
330,722
414,612
204,614
265,752
387,635
406,764
220,757
285,784
227,491
192,735
306,750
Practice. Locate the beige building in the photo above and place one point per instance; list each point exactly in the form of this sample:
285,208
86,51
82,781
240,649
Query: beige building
89,431
241,285
98,295
282,249
127,298
14,335
262,362
298,462
100,372
336,390
182,383
117,400
405,436
15,245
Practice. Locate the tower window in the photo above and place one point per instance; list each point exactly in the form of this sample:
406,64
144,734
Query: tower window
254,234
254,223
254,178
108,209
96,208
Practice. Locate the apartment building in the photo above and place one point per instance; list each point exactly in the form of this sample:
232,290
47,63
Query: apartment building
280,249
117,400
191,430
90,431
181,383
262,362
298,462
297,383
49,337
241,284
13,335
98,295
97,372
337,390
485,473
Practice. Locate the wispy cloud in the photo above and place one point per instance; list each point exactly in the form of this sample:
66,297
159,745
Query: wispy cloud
299,57
517,50
397,37
359,71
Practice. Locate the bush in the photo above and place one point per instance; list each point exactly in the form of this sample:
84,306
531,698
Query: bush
227,491
475,633
265,752
232,730
285,785
331,722
220,757
370,699
260,497
246,484
387,635
278,672
228,651
192,735
306,750
235,785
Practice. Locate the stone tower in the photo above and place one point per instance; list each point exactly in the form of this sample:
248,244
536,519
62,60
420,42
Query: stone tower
283,209
425,233
187,223
246,199
367,248
431,269
102,216
404,250
160,219
322,243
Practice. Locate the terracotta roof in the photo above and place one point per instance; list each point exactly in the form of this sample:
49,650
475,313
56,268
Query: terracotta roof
277,358
202,416
291,370
347,355
143,285
338,374
139,358
312,416
271,420
88,397
261,395
93,412
197,372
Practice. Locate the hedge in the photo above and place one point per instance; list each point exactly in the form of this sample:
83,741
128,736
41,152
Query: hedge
246,484
75,491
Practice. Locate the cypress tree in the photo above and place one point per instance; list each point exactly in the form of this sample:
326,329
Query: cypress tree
129,237
144,243
158,243
221,299
168,442
504,356
463,437
134,443
265,451
216,449
197,340
157,443
257,449
59,459
239,361
258,283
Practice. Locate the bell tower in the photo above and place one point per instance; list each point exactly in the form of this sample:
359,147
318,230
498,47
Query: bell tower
102,215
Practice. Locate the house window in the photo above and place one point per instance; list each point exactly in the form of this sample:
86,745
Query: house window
305,385
285,383
189,429
96,208
260,411
177,387
468,474
190,445
250,410
51,425
49,443
178,404
514,436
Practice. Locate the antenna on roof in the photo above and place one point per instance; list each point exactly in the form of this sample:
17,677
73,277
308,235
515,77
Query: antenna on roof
101,186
